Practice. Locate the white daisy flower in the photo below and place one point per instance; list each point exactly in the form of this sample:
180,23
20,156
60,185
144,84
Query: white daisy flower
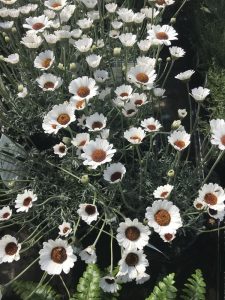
89,3
84,44
13,13
179,139
44,60
163,3
142,76
88,212
23,93
151,125
9,249
76,33
176,52
182,113
65,229
25,201
55,4
139,17
12,59
78,104
6,24
128,39
60,149
81,140
31,41
134,135
126,15
93,60
116,25
37,24
50,14
129,109
159,92
67,12
142,278
88,255
111,7
96,122
51,38
163,191
104,93
5,213
56,256
114,173
124,92
132,234
144,45
97,152
160,35
163,217
101,76
83,88
216,124
145,60
212,196
49,82
62,34
218,133
132,263
59,117
82,121
185,76
199,205
114,34
85,23
217,215
168,237
93,15
8,2
149,12
109,284
200,93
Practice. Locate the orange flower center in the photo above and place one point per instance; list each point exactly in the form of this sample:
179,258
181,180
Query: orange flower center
80,104
90,209
49,85
65,229
46,63
27,201
124,95
142,77
151,127
63,119
162,217
54,126
132,259
135,138
98,155
5,215
162,35
132,233
138,102
160,2
180,144
210,199
11,248
56,4
164,194
116,176
168,236
199,205
38,26
83,91
97,124
223,140
58,255
82,143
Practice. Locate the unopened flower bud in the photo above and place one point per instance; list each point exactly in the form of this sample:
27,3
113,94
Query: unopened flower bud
116,51
172,20
176,124
168,59
159,59
73,66
170,173
66,140
84,179
1,57
93,48
7,39
61,66
14,29
20,88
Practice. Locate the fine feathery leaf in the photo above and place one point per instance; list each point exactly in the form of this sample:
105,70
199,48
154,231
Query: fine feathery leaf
195,287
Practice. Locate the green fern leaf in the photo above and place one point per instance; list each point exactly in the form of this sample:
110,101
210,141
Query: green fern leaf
195,287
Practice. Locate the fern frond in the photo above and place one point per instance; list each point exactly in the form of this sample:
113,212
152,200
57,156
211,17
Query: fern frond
195,287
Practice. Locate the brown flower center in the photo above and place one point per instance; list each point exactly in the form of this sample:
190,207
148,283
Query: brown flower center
46,63
38,26
130,111
162,217
82,143
138,102
160,2
97,124
135,138
168,236
180,144
90,209
62,149
124,95
223,140
83,91
58,255
11,248
142,77
80,104
49,85
65,229
199,205
56,4
210,199
54,126
110,280
116,176
63,119
27,201
163,194
132,233
151,127
132,259
5,215
98,155
162,35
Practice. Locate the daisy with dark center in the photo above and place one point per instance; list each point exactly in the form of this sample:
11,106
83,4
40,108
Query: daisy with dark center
129,109
218,133
151,125
134,135
60,149
83,88
31,40
212,196
163,217
109,284
49,82
25,201
9,249
37,24
59,117
179,139
81,140
88,255
132,263
163,191
132,234
5,213
44,60
96,122
65,229
160,35
56,257
138,99
142,75
124,92
55,5
168,237
88,212
199,205
217,215
97,152
83,45
185,76
163,3
114,173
